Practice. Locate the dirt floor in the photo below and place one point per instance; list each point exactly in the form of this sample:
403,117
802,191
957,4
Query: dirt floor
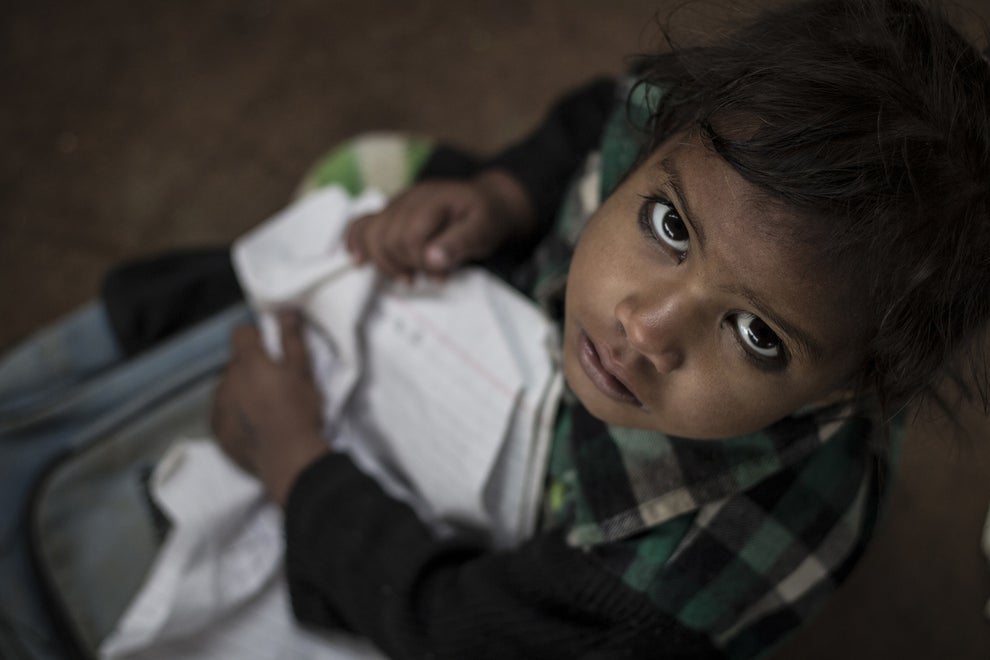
129,128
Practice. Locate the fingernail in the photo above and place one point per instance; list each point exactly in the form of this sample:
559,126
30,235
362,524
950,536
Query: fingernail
437,257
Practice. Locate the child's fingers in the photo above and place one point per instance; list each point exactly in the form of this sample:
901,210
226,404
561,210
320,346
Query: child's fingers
421,230
420,217
381,256
419,227
355,237
220,410
366,241
245,340
295,354
394,254
465,239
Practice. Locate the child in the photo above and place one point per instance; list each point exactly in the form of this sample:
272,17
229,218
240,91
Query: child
793,244
800,247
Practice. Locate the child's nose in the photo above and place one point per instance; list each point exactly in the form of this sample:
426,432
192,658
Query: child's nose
658,327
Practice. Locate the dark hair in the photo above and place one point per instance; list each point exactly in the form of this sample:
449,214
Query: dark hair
871,119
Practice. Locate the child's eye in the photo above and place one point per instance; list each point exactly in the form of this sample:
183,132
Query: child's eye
668,226
661,220
758,339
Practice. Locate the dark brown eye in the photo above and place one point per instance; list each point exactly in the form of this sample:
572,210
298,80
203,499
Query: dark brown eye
669,228
757,336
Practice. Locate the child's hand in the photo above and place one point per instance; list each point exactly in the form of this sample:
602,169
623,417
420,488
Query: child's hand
266,414
435,226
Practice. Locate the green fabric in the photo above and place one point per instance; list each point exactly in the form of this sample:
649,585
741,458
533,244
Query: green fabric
339,167
387,161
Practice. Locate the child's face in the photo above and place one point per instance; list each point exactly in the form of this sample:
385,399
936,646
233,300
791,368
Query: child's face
684,315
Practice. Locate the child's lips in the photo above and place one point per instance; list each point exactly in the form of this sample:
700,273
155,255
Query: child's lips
601,370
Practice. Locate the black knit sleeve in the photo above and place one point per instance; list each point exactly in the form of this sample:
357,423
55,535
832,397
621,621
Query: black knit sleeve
545,160
357,559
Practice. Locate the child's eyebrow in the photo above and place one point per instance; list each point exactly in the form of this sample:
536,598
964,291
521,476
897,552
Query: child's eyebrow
668,168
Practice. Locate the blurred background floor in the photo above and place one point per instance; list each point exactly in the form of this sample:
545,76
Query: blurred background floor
129,128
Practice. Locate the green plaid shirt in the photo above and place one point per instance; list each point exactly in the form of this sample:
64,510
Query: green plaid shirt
742,538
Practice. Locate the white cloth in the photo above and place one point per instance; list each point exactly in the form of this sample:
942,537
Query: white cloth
298,259
223,557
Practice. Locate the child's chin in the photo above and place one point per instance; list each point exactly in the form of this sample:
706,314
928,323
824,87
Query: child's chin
607,410
616,414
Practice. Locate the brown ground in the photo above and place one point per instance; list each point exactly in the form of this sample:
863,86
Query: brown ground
132,127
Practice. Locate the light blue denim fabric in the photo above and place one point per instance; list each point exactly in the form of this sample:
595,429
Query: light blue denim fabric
56,358
62,389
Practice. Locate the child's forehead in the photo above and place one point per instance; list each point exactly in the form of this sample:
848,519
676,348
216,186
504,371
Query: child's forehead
708,188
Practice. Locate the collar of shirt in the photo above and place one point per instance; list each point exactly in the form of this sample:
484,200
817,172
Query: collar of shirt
611,482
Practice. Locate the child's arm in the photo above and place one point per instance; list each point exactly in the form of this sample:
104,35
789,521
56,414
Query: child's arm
357,559
438,225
